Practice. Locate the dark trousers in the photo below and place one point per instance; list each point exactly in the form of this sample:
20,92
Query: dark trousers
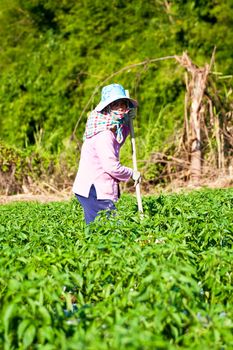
92,206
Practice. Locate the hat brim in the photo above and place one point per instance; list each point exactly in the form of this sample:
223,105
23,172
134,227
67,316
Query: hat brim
104,104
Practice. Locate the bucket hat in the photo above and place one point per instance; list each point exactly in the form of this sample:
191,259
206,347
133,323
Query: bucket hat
111,93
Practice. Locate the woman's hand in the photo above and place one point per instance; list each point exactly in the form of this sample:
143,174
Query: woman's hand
136,177
132,113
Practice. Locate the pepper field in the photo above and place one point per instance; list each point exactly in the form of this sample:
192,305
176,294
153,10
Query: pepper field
160,282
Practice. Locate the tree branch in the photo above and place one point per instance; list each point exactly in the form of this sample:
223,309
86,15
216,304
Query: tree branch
146,62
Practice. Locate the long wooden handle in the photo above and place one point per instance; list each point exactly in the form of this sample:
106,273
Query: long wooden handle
135,168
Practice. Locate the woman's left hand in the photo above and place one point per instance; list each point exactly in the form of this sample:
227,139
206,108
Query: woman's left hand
132,113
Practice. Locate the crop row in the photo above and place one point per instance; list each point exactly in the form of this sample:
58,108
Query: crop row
163,281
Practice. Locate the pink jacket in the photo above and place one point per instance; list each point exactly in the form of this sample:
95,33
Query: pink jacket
99,165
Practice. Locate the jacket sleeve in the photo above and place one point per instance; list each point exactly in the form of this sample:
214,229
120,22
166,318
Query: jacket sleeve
108,154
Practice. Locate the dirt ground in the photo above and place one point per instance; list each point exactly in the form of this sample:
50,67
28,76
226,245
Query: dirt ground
42,198
226,182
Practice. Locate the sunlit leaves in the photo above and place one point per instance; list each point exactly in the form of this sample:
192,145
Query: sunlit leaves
55,53
163,282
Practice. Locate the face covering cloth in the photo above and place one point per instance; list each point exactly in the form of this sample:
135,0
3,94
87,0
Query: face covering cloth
98,122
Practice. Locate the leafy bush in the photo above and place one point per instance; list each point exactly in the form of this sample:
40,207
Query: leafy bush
56,53
26,170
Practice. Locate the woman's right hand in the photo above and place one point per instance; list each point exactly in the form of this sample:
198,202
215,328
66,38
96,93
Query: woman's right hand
136,177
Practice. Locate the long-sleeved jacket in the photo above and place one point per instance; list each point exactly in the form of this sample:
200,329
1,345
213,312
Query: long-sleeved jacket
99,165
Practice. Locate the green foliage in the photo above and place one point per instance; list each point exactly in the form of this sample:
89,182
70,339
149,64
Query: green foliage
55,53
162,282
22,168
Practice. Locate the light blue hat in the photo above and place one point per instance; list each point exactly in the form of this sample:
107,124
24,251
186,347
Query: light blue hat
111,93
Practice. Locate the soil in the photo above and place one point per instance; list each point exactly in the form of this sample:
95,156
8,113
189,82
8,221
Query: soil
42,198
224,182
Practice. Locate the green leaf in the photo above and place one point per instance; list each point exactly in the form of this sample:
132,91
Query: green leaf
22,327
29,336
8,314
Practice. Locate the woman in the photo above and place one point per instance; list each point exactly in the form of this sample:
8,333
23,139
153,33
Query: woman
97,181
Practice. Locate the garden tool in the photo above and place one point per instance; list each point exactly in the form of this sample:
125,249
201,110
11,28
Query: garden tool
134,156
